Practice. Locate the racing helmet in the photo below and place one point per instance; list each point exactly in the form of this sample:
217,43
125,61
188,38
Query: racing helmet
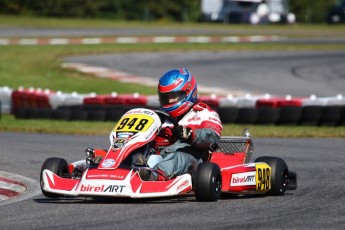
177,92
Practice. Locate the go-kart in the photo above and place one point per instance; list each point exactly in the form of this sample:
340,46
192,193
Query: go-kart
112,173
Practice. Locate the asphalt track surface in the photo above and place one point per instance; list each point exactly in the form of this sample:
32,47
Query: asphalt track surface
300,73
318,203
29,32
51,32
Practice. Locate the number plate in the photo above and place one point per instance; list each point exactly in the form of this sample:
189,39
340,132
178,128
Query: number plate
134,123
263,177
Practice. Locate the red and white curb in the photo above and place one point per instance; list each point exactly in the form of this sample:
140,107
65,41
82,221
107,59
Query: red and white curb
15,187
10,188
135,40
125,77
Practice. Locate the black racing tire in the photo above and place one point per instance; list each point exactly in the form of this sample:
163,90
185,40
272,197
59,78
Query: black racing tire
279,175
79,115
114,112
247,116
289,115
43,113
97,115
207,182
267,115
228,114
61,114
330,115
310,115
58,166
21,113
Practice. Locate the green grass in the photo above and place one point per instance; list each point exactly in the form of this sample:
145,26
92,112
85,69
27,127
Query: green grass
10,124
19,68
40,67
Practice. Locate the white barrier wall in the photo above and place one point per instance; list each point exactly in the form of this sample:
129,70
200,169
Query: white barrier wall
324,101
5,99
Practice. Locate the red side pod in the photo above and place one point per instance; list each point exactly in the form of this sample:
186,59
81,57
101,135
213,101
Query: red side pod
237,179
225,160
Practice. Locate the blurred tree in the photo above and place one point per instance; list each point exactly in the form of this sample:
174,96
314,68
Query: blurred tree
17,7
178,10
311,11
69,8
114,8
307,11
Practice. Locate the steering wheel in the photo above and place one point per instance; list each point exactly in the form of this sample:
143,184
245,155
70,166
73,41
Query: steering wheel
166,116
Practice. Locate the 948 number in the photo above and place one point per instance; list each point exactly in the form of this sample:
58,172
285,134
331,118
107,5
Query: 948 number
132,124
263,177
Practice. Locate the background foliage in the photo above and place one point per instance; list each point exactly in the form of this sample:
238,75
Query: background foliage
311,11
307,11
177,10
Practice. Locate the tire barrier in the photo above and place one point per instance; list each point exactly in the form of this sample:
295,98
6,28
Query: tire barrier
331,115
246,116
228,114
342,116
259,109
310,115
267,115
289,115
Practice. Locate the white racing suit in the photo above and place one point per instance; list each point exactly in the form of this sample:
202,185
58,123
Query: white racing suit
180,158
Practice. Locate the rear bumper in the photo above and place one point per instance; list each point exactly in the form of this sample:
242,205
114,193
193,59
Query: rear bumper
292,181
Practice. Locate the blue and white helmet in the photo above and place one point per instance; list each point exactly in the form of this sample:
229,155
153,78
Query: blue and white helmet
177,91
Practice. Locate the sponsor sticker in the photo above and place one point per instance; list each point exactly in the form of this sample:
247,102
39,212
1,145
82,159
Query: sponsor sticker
243,179
119,143
108,163
183,185
102,188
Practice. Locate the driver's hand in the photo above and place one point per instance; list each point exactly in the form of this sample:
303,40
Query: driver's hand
184,134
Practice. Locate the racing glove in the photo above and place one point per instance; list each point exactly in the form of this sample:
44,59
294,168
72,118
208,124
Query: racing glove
184,134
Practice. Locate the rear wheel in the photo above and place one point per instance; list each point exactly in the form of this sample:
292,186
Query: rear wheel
279,176
58,166
207,182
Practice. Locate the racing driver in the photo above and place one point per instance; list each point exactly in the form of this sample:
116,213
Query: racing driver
198,131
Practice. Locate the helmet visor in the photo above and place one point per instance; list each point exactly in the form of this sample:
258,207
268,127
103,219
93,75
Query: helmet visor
171,97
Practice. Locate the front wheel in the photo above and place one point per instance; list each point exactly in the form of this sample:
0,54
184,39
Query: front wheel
207,182
279,175
58,166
